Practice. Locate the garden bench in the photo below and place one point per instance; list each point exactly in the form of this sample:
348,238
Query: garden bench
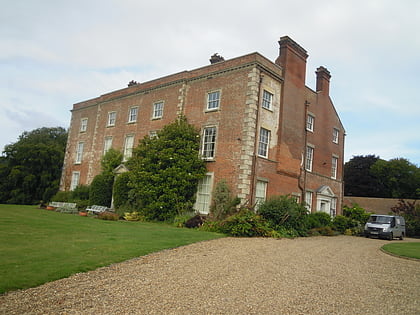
64,207
96,209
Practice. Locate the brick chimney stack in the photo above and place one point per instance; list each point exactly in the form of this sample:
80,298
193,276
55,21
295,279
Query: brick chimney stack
292,57
323,77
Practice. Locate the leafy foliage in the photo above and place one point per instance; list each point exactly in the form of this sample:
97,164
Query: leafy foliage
245,223
121,190
411,213
223,203
370,176
101,190
111,160
358,179
30,168
165,171
399,177
318,220
284,211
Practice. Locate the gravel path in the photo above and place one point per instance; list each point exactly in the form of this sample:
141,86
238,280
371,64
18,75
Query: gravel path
317,275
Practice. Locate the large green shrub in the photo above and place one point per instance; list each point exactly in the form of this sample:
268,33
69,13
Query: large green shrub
284,212
357,213
341,223
101,190
245,223
165,171
411,213
318,220
121,190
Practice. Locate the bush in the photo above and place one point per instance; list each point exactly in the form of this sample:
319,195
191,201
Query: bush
81,192
356,213
318,220
121,190
245,223
63,196
284,211
411,213
223,204
101,190
133,216
321,231
341,223
106,215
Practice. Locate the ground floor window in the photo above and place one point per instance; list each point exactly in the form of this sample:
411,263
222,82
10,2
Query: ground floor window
202,203
308,200
260,193
75,179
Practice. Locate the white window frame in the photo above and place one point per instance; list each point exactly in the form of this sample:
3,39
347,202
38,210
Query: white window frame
83,124
132,114
213,100
310,123
309,195
204,192
264,142
208,149
128,147
336,133
75,180
309,158
107,144
334,167
112,117
158,110
260,192
267,100
79,152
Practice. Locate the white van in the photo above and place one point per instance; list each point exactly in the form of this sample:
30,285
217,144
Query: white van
386,226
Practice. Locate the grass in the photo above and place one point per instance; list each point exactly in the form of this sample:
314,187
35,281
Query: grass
39,246
404,249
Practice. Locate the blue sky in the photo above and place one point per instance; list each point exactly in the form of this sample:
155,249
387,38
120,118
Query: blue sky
54,53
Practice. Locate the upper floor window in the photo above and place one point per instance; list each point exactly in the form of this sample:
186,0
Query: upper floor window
157,110
112,116
209,142
264,142
267,100
128,147
107,144
309,158
213,100
79,152
336,132
132,114
83,124
310,122
334,165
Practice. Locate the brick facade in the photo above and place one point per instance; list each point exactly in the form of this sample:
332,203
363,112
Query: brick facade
259,122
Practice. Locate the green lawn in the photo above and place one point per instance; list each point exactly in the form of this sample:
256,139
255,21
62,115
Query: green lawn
39,246
404,249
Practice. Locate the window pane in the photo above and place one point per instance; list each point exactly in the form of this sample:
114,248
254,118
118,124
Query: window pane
334,164
133,114
309,158
107,144
158,110
264,142
111,118
267,99
335,135
310,123
128,147
75,178
260,192
204,194
83,124
209,142
213,99
79,152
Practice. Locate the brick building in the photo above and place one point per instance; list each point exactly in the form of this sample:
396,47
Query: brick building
263,130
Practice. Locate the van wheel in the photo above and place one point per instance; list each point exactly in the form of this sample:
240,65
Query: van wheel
391,236
402,236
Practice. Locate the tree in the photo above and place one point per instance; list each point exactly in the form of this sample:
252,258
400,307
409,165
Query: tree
165,171
30,168
358,179
399,178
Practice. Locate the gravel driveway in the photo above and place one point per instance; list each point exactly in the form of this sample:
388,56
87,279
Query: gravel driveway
317,275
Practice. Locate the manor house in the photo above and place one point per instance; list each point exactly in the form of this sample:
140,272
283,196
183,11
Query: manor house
263,130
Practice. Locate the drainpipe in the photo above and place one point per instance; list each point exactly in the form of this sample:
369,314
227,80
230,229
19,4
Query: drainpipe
302,174
254,156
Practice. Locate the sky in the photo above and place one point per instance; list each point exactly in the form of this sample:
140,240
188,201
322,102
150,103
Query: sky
54,53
